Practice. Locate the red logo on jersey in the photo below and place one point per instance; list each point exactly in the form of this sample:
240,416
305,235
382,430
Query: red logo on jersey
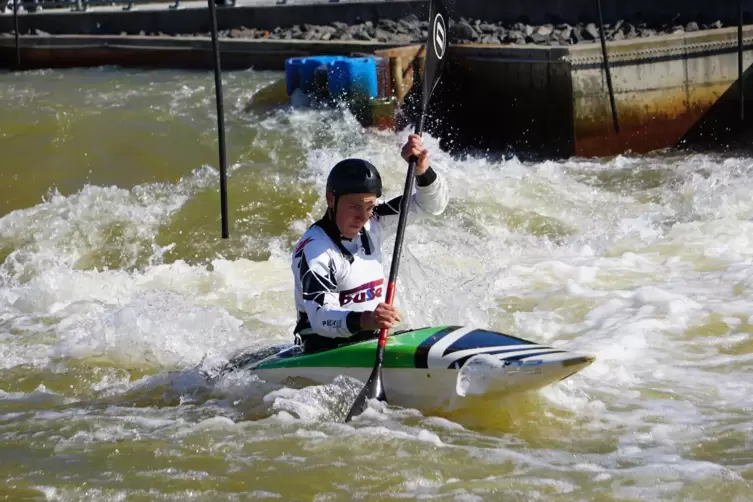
300,247
363,293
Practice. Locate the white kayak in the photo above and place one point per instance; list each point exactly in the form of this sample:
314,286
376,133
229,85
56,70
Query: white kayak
444,367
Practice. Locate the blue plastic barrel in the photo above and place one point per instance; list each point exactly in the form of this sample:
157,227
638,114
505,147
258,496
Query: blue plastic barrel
292,74
308,69
353,78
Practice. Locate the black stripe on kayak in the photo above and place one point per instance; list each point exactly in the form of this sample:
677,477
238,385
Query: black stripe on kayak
461,362
421,356
478,338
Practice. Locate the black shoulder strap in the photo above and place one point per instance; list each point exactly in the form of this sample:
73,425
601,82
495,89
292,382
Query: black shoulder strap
365,241
334,235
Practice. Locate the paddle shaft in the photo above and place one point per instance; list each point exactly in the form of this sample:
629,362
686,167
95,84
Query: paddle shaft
401,222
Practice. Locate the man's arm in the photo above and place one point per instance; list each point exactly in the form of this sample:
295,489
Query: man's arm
431,197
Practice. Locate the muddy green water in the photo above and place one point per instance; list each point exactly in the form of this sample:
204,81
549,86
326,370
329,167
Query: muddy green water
115,285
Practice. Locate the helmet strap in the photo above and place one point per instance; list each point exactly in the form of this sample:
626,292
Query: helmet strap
332,211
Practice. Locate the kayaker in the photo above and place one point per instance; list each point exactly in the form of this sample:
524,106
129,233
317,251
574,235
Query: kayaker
340,282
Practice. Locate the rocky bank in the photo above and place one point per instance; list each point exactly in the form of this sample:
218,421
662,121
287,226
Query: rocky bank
412,30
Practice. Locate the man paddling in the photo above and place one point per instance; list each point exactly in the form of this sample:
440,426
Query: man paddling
337,264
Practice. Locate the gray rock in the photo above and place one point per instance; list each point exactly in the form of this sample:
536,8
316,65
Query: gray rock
538,38
361,34
516,37
388,25
411,19
578,36
487,28
383,35
564,34
592,31
463,31
411,30
629,31
406,27
545,30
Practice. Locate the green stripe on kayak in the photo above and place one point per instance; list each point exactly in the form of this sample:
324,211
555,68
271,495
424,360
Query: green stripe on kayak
400,352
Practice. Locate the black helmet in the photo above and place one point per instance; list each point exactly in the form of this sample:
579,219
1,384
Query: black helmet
354,176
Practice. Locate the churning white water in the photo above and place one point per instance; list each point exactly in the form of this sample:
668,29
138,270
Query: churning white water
111,296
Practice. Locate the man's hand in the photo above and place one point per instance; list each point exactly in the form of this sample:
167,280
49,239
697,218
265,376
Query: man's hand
414,147
384,316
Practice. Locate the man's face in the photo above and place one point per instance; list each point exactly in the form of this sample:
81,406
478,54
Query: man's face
353,211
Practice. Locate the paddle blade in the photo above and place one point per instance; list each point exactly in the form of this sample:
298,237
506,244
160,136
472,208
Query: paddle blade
374,389
436,48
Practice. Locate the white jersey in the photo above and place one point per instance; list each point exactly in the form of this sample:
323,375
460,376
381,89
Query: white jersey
336,278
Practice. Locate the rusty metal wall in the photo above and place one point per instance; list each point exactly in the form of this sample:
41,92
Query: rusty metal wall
664,91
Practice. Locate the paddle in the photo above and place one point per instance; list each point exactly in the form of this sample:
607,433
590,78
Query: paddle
434,58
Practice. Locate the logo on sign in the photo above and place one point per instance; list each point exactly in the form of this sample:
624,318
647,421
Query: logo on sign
440,36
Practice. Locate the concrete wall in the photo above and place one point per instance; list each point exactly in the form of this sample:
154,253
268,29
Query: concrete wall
680,90
66,51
